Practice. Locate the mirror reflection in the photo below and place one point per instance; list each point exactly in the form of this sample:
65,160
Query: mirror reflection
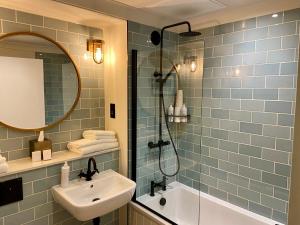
39,82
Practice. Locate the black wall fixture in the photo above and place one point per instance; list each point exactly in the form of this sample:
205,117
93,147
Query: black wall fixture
155,37
11,191
112,110
134,112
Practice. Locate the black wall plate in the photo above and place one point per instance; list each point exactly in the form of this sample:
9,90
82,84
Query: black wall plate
11,191
112,110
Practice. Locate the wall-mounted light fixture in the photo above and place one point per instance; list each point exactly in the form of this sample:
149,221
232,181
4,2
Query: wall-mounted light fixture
96,48
192,62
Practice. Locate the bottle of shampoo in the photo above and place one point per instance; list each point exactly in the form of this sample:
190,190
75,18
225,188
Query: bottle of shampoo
183,114
171,113
65,173
177,114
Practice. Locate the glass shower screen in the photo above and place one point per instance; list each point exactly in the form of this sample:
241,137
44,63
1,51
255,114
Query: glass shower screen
166,161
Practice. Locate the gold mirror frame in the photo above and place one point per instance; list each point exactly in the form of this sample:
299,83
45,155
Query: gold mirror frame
77,74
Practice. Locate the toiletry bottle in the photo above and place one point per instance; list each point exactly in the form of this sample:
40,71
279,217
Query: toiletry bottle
179,98
183,113
177,114
65,172
171,113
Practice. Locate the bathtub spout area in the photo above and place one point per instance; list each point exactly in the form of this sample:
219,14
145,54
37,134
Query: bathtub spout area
162,185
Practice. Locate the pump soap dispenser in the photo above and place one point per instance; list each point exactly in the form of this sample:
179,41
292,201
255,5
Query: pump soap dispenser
65,173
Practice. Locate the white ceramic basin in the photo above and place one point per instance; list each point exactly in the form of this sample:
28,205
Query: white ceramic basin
86,200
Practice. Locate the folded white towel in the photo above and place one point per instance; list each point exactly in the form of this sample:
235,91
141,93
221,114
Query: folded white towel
3,167
99,132
95,148
98,137
89,142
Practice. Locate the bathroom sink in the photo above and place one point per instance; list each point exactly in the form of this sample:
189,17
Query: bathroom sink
86,200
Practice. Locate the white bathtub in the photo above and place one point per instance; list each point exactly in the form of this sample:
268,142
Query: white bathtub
182,207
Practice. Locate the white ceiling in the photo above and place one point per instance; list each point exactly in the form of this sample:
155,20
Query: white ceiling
184,9
179,9
62,11
201,13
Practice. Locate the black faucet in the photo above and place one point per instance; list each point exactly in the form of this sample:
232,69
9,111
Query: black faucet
162,184
89,173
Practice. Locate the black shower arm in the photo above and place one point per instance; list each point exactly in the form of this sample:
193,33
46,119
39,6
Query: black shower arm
162,37
175,25
172,25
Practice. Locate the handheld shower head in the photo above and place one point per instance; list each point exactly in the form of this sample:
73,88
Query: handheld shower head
173,70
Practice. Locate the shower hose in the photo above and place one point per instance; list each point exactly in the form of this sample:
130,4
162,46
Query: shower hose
173,144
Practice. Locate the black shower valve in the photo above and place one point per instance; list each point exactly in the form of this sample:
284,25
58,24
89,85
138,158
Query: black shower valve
160,143
157,74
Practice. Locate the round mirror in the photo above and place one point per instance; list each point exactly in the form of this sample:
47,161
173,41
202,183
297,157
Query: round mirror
40,84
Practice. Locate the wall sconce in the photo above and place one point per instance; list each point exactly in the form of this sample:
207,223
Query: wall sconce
96,48
192,62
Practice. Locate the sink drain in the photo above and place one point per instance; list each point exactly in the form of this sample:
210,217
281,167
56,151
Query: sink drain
95,199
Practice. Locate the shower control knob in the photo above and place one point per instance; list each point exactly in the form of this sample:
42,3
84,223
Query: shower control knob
151,144
156,74
160,143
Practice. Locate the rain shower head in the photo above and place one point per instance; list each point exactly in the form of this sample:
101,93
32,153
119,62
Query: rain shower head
156,37
189,34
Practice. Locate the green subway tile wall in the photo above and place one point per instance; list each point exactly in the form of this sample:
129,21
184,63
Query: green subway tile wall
250,73
147,163
38,207
248,103
57,96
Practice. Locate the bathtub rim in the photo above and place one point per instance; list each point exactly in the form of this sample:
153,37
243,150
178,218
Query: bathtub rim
156,217
161,219
211,198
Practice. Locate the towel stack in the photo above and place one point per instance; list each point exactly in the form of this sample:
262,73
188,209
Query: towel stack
98,134
94,141
3,165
